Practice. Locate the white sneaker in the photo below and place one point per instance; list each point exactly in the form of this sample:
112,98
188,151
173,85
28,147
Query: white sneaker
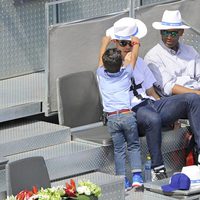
158,174
198,161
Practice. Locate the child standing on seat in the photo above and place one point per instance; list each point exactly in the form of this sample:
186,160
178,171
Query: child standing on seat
114,79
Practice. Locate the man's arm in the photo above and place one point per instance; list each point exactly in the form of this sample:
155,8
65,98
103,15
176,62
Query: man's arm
171,83
152,92
178,89
104,44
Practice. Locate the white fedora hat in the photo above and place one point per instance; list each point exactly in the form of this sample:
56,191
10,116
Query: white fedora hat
126,27
171,20
193,172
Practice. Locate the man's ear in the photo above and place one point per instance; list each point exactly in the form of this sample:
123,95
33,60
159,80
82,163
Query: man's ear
180,32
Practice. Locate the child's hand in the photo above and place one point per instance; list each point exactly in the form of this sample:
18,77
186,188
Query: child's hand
135,40
106,40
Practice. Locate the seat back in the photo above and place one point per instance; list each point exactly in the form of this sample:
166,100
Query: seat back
79,101
25,173
71,52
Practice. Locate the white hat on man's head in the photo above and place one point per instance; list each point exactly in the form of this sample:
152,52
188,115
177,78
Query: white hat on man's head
171,19
126,27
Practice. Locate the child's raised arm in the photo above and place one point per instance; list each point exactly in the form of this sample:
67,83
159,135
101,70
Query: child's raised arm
131,57
104,44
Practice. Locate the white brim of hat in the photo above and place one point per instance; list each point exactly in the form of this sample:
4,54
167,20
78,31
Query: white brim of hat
142,30
160,26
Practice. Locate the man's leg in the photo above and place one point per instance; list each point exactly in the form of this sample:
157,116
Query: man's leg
149,121
184,106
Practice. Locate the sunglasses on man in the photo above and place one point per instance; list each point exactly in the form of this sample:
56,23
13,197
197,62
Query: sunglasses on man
166,33
124,43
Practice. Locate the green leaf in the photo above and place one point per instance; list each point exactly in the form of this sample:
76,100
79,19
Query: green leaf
85,197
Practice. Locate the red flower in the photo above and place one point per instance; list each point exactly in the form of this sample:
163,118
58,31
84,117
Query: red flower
70,189
26,194
35,190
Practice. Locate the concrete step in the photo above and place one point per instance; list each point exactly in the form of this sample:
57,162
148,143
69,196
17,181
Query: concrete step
112,186
67,159
20,111
64,160
96,132
26,135
2,184
22,96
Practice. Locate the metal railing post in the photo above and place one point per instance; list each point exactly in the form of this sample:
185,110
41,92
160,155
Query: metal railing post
132,8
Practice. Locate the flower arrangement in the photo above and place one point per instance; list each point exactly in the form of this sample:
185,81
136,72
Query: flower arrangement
86,190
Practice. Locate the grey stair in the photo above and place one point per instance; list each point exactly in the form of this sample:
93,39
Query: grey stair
25,135
64,160
29,135
149,195
2,184
20,111
63,157
98,134
112,186
95,132
22,96
68,158
174,143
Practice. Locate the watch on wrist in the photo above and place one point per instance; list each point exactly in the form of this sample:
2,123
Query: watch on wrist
134,43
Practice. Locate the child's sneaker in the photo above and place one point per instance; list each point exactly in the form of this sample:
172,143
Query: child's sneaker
127,184
137,180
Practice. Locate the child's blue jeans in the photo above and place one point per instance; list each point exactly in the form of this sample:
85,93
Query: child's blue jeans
124,133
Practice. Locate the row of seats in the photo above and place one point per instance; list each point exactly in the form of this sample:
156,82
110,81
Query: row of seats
80,105
89,133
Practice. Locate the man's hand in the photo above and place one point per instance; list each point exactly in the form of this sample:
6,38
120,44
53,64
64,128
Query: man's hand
151,92
197,92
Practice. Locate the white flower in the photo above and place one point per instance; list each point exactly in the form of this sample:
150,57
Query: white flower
84,190
11,198
33,197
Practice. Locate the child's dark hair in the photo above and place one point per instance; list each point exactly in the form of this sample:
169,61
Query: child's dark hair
112,60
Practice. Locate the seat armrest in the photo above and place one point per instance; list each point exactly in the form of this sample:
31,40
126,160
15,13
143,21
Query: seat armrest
3,162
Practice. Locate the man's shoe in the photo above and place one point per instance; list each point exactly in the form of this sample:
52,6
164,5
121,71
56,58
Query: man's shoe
158,174
137,180
198,161
127,184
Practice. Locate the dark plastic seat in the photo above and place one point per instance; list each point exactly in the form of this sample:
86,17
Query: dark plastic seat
79,100
79,105
26,173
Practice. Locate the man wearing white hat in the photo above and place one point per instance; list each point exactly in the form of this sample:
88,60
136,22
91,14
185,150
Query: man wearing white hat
151,112
176,66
